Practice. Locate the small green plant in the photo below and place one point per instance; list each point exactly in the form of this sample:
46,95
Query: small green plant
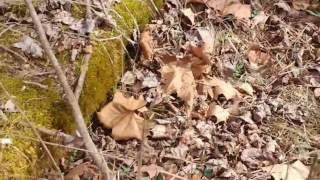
239,70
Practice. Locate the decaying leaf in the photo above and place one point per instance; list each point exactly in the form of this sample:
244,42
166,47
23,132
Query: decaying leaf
222,88
247,88
29,46
88,170
121,117
250,156
10,107
295,171
152,170
240,11
146,44
206,44
261,18
258,59
128,78
316,92
178,77
301,4
159,131
225,7
187,12
219,112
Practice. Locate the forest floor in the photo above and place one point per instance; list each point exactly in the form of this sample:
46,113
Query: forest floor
215,89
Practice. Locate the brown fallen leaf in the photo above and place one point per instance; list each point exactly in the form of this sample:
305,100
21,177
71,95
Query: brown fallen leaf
225,7
203,49
261,18
83,170
258,59
152,170
240,11
222,88
247,88
121,117
301,4
316,92
177,77
188,13
220,113
295,171
146,43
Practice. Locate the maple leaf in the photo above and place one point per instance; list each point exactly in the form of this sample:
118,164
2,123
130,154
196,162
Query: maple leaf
121,117
177,77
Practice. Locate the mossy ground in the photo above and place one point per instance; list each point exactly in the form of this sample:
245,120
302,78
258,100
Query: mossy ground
45,107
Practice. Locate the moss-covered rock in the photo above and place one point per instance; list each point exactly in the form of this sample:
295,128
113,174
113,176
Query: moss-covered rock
46,107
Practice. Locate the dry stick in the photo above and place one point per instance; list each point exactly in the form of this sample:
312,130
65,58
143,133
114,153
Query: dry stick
76,112
34,130
13,52
50,132
86,58
82,77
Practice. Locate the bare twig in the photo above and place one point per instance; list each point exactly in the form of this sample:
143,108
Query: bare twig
76,111
33,129
82,77
86,57
36,84
13,53
50,132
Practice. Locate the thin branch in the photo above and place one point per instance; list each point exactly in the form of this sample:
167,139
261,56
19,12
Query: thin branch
76,111
87,56
83,74
33,129
51,132
13,53
36,84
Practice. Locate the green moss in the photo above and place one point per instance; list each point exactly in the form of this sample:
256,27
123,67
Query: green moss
107,60
37,105
78,11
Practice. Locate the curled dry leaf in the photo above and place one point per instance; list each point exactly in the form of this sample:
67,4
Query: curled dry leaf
146,43
121,117
295,171
220,113
30,46
247,88
178,77
222,88
258,60
187,12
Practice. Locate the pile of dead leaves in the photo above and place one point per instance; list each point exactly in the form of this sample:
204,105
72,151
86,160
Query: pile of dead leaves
214,75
